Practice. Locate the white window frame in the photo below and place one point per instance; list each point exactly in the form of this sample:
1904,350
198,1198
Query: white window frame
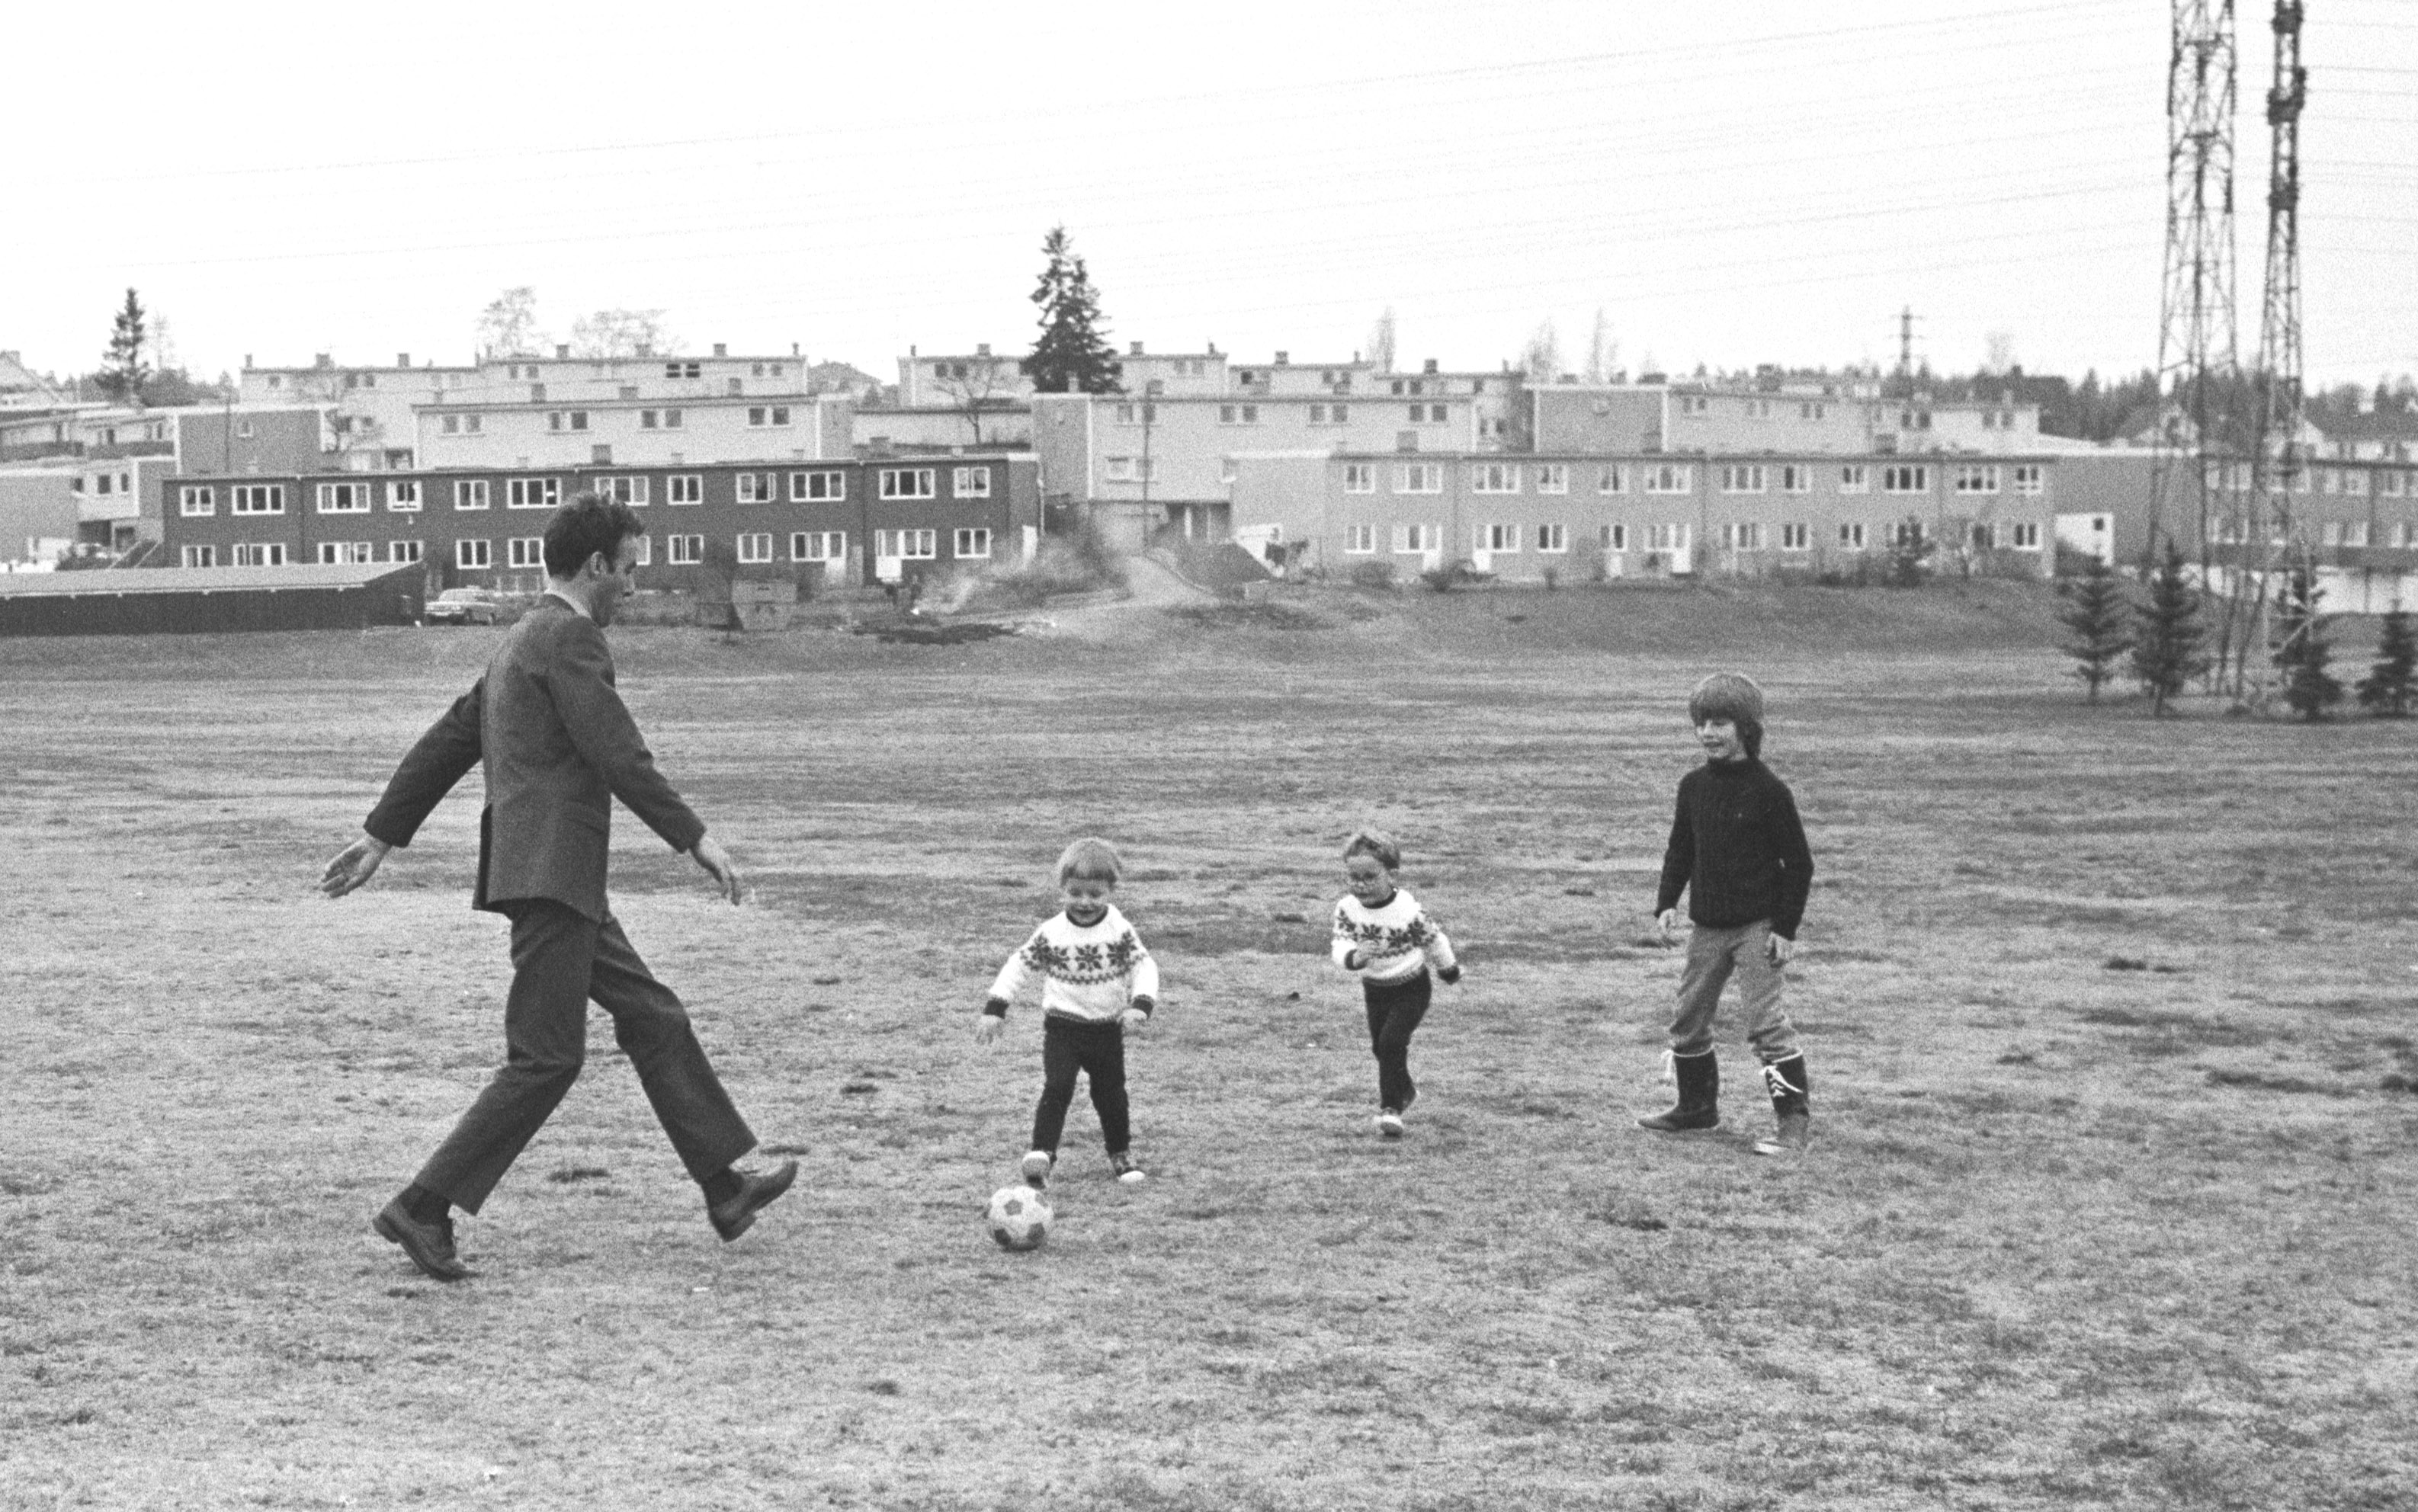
2025,535
1359,539
1415,539
1905,477
910,483
1360,478
911,544
1495,478
1977,478
196,500
256,499
403,497
1552,478
1419,478
970,483
1670,478
1796,477
1851,535
1795,535
818,545
2027,478
684,550
754,547
1855,478
1742,478
1671,534
755,488
1612,478
470,493
1553,540
627,488
1498,537
259,554
201,556
684,488
343,498
403,553
1612,537
1742,535
823,485
347,553
971,541
472,554
533,492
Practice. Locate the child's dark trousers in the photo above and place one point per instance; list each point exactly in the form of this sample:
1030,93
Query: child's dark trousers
1395,1009
1097,1050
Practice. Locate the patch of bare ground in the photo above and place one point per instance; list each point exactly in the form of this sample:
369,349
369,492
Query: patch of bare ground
2073,1233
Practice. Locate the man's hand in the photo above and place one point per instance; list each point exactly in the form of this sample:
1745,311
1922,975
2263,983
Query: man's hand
1667,924
355,865
987,1028
716,861
1779,947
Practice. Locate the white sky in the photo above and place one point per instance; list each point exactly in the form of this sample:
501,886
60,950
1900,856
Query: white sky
1729,181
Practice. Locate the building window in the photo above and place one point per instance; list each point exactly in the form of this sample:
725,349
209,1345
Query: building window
1851,536
806,487
2390,484
768,415
1495,478
684,551
345,553
1504,537
402,498
918,545
243,430
2356,481
1669,477
1742,478
2027,535
571,420
684,488
975,543
1612,478
1553,538
1667,537
1410,538
1745,535
533,492
754,547
525,553
910,483
196,500
1613,538
1980,477
683,370
2027,477
1905,477
1694,404
258,498
970,482
1796,477
1419,478
474,555
1811,411
2354,533
1796,537
259,554
1552,478
1359,539
1909,532
343,498
1855,478
630,491
754,488
403,551
469,493
1360,478
818,545
201,556
1758,409
1226,470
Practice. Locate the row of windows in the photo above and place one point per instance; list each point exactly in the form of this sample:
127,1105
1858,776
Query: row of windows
1679,478
2351,482
1745,535
2398,535
527,553
404,496
759,417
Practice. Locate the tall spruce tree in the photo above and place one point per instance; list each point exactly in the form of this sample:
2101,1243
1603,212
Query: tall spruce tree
2391,686
122,370
2101,622
1073,356
2166,648
2302,654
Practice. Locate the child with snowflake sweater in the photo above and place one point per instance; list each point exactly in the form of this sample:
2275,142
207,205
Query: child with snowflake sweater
1097,981
1383,934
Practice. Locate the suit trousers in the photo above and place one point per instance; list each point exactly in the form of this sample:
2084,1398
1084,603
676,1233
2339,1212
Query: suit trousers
560,960
1714,955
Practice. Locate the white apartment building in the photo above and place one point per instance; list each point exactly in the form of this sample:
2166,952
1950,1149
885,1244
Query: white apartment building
632,433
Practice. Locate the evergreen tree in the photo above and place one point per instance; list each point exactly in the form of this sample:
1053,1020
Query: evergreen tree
1073,356
2100,620
2300,650
122,370
2390,687
2167,650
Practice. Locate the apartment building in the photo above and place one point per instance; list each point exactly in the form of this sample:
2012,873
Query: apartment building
1524,517
839,521
949,381
2354,522
549,432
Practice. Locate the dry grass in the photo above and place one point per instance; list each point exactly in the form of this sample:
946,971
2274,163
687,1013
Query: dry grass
2073,1233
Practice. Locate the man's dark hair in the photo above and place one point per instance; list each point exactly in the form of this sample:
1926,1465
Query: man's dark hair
585,525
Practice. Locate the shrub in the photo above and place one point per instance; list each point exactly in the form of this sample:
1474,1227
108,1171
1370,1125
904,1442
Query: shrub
1373,575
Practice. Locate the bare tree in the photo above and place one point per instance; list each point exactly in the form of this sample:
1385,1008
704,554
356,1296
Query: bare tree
621,333
1998,353
1543,357
1381,342
977,386
354,431
508,326
1603,350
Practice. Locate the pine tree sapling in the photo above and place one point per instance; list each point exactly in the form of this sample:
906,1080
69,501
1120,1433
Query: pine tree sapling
2391,687
2100,621
2166,647
1073,356
2301,652
122,370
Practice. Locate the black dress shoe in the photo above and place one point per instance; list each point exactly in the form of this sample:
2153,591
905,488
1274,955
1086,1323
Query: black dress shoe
429,1244
734,1215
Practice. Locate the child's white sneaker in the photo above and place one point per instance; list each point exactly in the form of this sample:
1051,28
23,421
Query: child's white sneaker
1128,1170
1035,1168
1389,1123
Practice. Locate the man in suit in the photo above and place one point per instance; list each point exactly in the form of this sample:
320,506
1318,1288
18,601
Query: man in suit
558,746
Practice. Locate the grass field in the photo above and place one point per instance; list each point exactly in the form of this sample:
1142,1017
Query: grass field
2110,1021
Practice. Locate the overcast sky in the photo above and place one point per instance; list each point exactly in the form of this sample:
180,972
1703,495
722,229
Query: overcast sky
1728,181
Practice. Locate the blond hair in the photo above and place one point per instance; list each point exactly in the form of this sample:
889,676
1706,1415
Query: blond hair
1376,843
1092,859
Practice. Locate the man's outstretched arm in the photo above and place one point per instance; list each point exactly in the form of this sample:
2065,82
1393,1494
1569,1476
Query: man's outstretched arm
428,771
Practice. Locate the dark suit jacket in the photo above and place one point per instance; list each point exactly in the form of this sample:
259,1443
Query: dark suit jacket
560,746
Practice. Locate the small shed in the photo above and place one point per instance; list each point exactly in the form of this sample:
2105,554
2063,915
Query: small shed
144,601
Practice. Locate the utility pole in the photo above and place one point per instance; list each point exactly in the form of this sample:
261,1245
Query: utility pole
2270,532
2196,344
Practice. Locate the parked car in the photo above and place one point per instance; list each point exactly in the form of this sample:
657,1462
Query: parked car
465,606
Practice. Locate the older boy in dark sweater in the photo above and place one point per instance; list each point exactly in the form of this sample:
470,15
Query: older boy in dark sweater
1737,850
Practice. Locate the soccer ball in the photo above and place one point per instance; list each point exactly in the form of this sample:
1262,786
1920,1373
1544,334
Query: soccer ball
1017,1216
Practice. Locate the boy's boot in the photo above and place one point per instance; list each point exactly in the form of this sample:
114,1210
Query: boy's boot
1700,1096
1790,1104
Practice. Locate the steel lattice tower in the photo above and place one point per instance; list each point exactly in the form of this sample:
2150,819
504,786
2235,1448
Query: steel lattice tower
2275,464
2197,328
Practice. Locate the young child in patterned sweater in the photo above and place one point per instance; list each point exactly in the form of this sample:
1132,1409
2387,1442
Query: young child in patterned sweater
1097,981
1381,933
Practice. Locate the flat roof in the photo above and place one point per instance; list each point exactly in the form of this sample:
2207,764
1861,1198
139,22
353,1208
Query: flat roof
199,579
